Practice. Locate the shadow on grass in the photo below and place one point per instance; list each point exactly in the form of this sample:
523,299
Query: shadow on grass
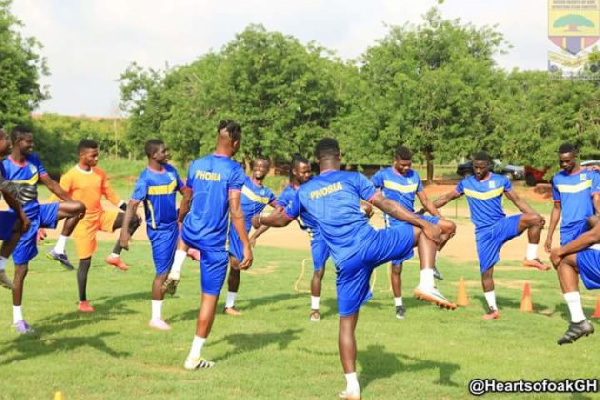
376,363
28,346
248,342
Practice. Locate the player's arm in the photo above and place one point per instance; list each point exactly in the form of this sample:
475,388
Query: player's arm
395,210
129,213
186,202
428,204
519,202
237,218
554,218
596,201
445,199
55,188
584,241
277,219
366,208
14,204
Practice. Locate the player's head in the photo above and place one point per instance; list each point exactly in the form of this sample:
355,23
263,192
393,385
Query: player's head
567,157
22,139
300,169
328,150
403,160
260,168
157,150
230,134
88,152
481,165
4,143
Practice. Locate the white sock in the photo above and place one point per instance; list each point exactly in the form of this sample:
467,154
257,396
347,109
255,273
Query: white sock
314,302
426,279
398,301
230,302
574,303
532,251
3,261
17,315
490,297
115,255
59,247
157,310
352,383
196,347
177,264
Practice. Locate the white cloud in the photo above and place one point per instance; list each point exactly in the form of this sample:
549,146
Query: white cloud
89,43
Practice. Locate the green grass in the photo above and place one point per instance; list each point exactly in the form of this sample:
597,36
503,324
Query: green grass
273,351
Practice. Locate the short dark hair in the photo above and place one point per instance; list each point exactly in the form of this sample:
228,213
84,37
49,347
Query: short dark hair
233,128
326,148
18,132
403,153
567,148
85,144
260,158
482,156
296,160
152,146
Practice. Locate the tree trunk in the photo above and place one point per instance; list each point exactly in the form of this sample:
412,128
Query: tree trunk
429,158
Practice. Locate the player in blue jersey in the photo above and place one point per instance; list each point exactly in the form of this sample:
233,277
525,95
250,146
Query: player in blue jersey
24,169
333,200
576,194
12,223
211,197
493,228
402,184
157,188
579,257
255,197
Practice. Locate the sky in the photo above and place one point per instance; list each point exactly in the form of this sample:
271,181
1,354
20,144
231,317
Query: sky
89,43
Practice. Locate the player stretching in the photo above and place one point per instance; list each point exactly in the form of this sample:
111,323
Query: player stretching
401,183
576,192
12,223
88,183
333,200
580,257
24,169
254,199
157,188
212,195
493,228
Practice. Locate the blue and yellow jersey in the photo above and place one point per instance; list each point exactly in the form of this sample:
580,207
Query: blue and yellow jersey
305,221
399,188
333,200
485,198
574,192
158,191
211,178
26,176
255,198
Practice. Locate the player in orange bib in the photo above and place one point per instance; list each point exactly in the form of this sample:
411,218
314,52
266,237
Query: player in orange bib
88,183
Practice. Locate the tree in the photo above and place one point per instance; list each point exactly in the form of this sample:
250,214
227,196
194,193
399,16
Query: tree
20,70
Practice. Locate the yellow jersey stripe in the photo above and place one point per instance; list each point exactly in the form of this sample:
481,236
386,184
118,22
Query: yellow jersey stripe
151,209
484,195
253,196
580,187
31,181
400,188
162,189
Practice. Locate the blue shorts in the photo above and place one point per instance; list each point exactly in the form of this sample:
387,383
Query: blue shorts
44,216
353,274
319,252
572,232
235,247
164,244
213,268
411,254
490,240
7,224
588,263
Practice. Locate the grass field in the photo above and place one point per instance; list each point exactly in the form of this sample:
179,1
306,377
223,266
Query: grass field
273,351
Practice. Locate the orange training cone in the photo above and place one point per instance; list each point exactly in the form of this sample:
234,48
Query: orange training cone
526,304
597,310
463,297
